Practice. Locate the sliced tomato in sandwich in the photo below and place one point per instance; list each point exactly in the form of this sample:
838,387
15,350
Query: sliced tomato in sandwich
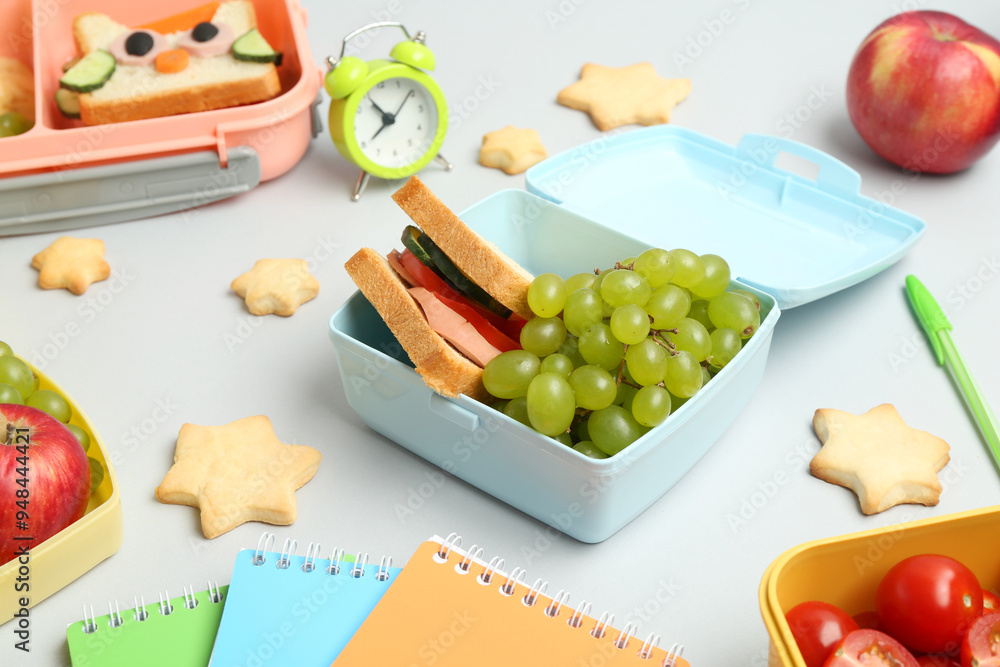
495,329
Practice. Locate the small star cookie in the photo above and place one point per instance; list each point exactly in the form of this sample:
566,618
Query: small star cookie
236,473
71,263
880,458
276,286
512,149
616,96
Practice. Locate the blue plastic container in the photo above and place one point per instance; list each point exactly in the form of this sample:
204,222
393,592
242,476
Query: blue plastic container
661,185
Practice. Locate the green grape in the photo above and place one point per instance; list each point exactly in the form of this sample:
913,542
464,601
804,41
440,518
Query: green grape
593,387
622,286
699,312
508,375
579,430
627,262
656,264
547,295
564,438
689,268
557,364
17,374
599,346
35,381
543,335
630,323
646,362
706,375
580,281
716,280
693,337
82,436
551,404
96,473
12,123
676,402
5,349
613,429
725,344
571,348
651,405
750,295
583,308
668,305
588,448
626,393
683,376
735,312
517,409
51,403
10,395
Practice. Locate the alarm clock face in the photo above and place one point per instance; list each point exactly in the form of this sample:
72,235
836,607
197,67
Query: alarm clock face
396,122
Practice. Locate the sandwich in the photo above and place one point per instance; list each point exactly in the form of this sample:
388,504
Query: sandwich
452,299
209,57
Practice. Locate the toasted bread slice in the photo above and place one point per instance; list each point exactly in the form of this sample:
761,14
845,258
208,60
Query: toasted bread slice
443,368
137,92
502,278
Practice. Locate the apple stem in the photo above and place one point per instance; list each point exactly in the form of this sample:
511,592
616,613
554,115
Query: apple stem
8,437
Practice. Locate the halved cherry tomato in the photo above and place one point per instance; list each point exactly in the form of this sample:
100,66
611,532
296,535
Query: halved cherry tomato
870,648
991,602
817,627
928,601
981,645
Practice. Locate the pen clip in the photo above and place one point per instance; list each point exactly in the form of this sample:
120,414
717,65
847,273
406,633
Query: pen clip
929,314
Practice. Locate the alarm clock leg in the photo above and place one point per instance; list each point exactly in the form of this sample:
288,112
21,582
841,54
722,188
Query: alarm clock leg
448,166
360,185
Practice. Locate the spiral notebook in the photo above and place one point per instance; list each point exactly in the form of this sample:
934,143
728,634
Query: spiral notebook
168,633
285,609
449,608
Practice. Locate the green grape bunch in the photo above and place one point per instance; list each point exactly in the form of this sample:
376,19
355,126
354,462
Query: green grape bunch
611,353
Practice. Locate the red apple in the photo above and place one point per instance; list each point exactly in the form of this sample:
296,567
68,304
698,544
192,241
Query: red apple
923,91
44,479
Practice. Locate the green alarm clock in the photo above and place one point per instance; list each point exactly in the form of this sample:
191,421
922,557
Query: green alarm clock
388,116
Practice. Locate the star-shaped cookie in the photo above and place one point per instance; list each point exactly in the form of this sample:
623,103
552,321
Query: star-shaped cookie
236,473
276,286
71,263
616,96
512,149
880,458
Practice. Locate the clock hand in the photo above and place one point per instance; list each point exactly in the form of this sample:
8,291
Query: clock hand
377,107
389,118
408,95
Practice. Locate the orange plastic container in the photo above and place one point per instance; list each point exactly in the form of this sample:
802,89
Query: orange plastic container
846,570
40,34
75,549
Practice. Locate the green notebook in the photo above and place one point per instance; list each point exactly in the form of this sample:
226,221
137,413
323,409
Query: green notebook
182,637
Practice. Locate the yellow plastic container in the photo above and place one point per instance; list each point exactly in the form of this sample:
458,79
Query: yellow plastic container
75,549
846,570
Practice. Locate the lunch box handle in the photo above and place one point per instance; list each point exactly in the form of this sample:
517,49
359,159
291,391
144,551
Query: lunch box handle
453,412
834,176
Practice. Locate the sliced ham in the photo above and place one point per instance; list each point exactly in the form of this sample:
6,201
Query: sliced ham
454,328
397,265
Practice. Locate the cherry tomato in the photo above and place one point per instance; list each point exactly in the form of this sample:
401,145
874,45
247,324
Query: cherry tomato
928,601
870,648
936,660
981,646
817,627
867,619
991,602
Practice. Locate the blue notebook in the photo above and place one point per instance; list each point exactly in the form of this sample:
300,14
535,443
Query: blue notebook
288,609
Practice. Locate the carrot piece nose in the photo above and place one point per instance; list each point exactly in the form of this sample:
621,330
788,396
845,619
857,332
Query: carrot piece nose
172,61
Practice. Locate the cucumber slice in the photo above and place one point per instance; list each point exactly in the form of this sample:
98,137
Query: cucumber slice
68,102
411,241
456,277
252,47
90,73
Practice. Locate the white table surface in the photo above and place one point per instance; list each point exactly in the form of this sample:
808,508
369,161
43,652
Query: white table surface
158,352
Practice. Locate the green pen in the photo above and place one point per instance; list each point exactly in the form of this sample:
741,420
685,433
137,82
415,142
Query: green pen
937,326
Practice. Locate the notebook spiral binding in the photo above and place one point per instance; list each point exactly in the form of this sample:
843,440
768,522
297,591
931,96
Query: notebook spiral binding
517,576
337,562
139,611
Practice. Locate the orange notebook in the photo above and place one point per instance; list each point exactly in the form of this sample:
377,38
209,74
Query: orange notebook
450,608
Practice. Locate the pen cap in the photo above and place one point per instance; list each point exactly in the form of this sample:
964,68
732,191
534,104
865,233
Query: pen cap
928,313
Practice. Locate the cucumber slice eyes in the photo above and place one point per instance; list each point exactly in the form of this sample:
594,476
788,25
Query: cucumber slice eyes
90,72
252,47
68,102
